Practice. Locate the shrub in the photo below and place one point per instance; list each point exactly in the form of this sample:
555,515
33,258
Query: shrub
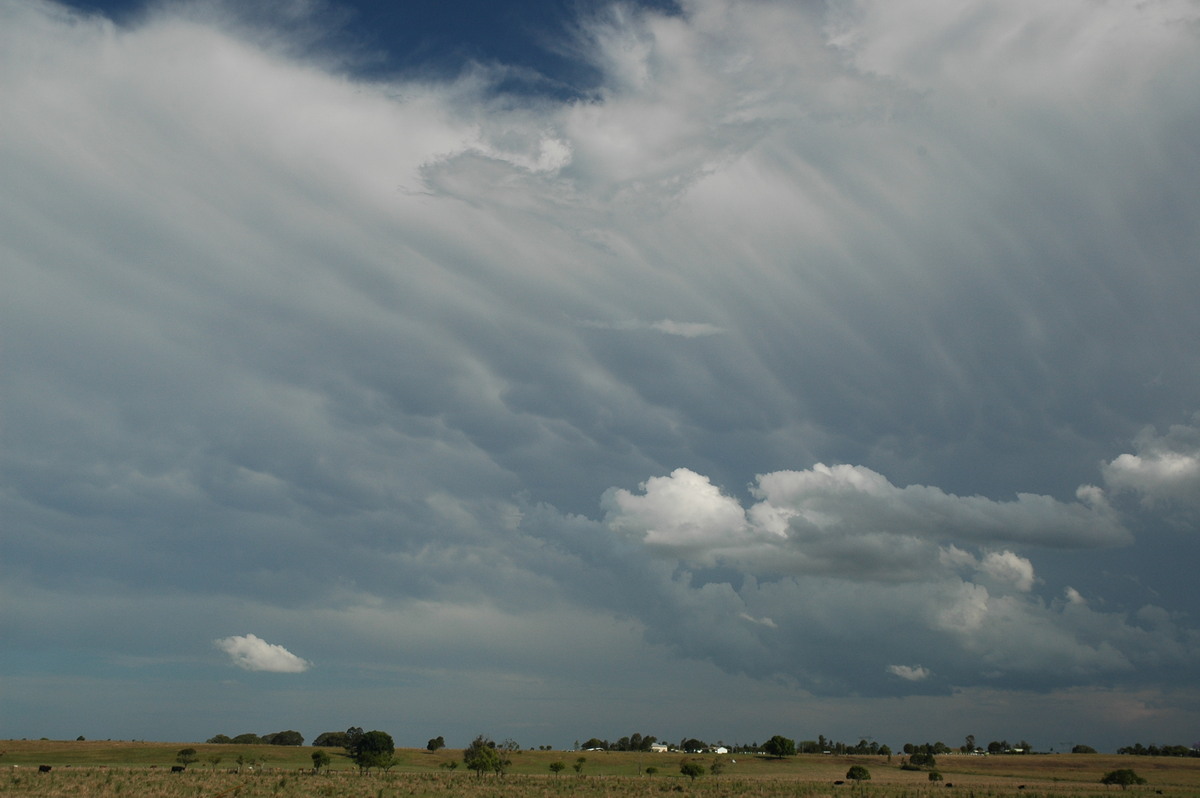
1123,777
858,773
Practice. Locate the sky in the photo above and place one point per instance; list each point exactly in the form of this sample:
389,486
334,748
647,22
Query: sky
550,370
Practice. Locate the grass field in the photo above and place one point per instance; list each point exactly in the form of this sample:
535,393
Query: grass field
120,769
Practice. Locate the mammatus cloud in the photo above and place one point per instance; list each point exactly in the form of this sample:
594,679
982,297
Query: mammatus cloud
909,673
259,314
255,654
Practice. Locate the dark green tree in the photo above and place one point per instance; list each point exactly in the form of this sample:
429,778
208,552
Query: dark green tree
352,736
481,756
288,737
247,739
935,776
557,767
780,746
373,749
920,759
1083,749
219,739
320,759
691,769
1123,777
858,773
435,743
332,739
187,756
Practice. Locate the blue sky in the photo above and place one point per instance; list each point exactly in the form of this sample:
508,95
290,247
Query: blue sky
551,371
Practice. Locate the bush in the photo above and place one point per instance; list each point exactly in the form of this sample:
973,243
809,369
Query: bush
691,770
858,773
922,760
1124,777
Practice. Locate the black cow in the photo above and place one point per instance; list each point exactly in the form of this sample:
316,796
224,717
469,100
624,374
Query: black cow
43,768
177,768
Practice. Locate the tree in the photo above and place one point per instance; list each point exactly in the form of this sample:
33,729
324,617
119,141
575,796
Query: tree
1083,749
332,739
858,773
578,766
920,759
352,737
935,776
288,737
373,749
481,756
187,756
214,760
1123,777
691,769
780,746
320,759
435,743
220,739
969,745
557,767
247,739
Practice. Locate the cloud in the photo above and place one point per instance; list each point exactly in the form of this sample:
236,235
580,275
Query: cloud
255,654
910,673
920,269
683,329
1164,469
850,521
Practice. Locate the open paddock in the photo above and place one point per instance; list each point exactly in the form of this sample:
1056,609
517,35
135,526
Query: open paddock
118,769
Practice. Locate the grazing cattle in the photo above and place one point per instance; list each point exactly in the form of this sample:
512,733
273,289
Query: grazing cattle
43,768
177,768
1021,787
839,781
948,784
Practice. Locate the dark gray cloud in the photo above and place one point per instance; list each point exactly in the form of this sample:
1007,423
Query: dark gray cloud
826,354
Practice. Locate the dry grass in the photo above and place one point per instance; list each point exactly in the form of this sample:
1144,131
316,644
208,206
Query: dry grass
117,770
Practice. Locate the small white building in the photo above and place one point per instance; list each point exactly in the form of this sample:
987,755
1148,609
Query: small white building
659,748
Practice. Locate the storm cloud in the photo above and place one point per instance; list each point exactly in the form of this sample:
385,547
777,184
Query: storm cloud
819,352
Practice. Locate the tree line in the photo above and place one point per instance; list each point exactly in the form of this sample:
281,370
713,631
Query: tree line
288,737
1137,749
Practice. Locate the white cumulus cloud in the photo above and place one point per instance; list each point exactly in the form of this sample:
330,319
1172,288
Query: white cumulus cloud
1164,467
910,673
252,653
851,521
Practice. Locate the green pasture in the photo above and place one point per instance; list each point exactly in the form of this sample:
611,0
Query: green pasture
115,768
